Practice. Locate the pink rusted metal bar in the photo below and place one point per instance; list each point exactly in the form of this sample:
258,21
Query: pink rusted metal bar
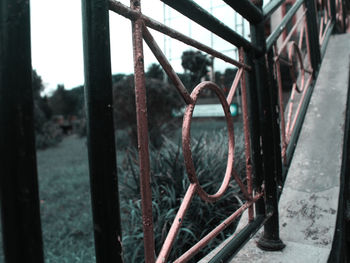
167,246
240,184
301,37
290,111
123,10
281,106
299,106
308,47
234,86
142,135
325,31
205,240
248,162
292,49
186,141
292,31
166,66
325,19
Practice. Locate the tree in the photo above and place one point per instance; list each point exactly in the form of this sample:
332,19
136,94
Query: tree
155,71
42,111
196,63
162,99
66,102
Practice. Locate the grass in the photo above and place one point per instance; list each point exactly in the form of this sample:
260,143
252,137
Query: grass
65,199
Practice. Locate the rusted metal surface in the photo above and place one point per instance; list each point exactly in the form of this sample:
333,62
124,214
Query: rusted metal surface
142,135
325,19
295,50
175,227
140,30
246,130
186,141
205,240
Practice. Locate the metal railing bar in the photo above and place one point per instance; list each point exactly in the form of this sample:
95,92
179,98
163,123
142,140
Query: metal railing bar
298,125
199,15
282,26
205,240
175,227
100,131
325,31
152,44
290,34
234,86
247,145
19,195
326,39
235,244
142,135
271,7
292,125
246,9
127,12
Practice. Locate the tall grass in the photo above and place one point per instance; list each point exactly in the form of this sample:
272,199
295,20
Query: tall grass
65,196
169,183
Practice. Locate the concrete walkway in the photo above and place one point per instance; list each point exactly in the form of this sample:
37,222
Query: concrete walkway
308,204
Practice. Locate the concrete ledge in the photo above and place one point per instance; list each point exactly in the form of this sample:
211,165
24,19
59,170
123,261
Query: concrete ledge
308,204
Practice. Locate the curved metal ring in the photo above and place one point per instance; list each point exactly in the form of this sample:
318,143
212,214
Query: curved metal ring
186,141
292,48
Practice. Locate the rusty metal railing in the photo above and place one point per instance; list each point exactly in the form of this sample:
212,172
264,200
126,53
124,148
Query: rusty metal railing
140,23
300,48
270,128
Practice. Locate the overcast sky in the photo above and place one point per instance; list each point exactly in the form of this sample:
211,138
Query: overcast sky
56,33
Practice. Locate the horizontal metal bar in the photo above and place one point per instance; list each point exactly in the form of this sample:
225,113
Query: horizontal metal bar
205,240
282,26
246,9
199,15
272,7
127,12
236,243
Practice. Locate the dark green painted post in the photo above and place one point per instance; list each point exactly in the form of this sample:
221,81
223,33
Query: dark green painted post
100,131
19,198
333,10
312,27
268,128
254,126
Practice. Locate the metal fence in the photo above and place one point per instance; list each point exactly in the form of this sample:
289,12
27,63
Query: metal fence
271,122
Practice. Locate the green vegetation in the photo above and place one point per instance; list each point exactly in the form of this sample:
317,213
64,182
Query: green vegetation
65,195
169,183
63,169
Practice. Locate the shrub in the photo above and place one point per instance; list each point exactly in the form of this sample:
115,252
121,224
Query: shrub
162,99
169,183
49,135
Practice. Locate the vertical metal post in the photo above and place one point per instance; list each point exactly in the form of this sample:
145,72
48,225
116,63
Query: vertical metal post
312,28
19,198
268,124
142,135
275,116
255,133
333,10
100,131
